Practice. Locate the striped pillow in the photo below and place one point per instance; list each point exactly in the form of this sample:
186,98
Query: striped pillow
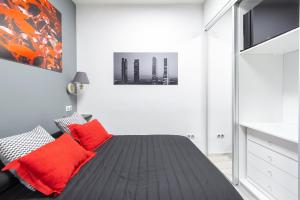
63,123
14,147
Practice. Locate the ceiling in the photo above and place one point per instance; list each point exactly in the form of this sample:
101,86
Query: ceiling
138,1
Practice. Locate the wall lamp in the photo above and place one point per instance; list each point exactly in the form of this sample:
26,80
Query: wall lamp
77,86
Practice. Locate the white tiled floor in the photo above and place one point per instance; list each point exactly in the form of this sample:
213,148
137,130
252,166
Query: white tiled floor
223,162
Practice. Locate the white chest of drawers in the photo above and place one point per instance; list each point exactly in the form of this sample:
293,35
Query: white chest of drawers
272,165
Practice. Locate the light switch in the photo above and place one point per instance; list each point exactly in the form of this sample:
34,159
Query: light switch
68,108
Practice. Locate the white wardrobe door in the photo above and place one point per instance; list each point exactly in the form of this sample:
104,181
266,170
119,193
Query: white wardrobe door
220,80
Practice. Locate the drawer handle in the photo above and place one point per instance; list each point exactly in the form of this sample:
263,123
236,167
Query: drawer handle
270,143
270,173
270,159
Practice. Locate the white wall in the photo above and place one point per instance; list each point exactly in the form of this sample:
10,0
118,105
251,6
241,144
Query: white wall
180,109
220,80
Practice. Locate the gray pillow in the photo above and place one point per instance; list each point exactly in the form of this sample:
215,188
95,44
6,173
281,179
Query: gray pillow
63,123
14,147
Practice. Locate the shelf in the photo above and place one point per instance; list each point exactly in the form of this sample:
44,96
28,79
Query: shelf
285,131
282,44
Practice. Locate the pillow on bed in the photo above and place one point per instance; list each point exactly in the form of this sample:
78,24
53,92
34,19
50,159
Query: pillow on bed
49,168
90,135
14,147
63,123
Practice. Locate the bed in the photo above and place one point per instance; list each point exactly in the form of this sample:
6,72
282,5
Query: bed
155,167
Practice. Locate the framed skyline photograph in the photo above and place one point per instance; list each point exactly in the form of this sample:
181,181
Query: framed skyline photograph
145,68
31,33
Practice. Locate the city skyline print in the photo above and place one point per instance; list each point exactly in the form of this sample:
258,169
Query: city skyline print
145,68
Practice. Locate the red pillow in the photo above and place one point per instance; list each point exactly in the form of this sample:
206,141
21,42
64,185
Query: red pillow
49,168
90,135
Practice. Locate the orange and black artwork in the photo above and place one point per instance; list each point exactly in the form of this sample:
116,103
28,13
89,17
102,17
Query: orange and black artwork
31,33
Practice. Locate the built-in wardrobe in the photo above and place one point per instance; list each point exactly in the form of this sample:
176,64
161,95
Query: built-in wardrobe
264,117
267,106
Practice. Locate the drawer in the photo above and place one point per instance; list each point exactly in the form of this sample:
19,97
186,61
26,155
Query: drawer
263,183
278,160
286,148
274,175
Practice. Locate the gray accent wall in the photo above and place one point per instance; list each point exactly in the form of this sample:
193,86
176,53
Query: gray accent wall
30,96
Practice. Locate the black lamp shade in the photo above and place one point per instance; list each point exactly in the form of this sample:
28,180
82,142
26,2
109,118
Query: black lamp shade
81,78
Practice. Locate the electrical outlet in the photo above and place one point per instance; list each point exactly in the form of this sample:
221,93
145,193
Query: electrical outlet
69,108
191,136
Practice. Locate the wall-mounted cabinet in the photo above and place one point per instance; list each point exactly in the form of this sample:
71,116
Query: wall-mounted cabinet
268,110
268,114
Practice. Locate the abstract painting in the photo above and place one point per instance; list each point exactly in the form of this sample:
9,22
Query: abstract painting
31,33
145,68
